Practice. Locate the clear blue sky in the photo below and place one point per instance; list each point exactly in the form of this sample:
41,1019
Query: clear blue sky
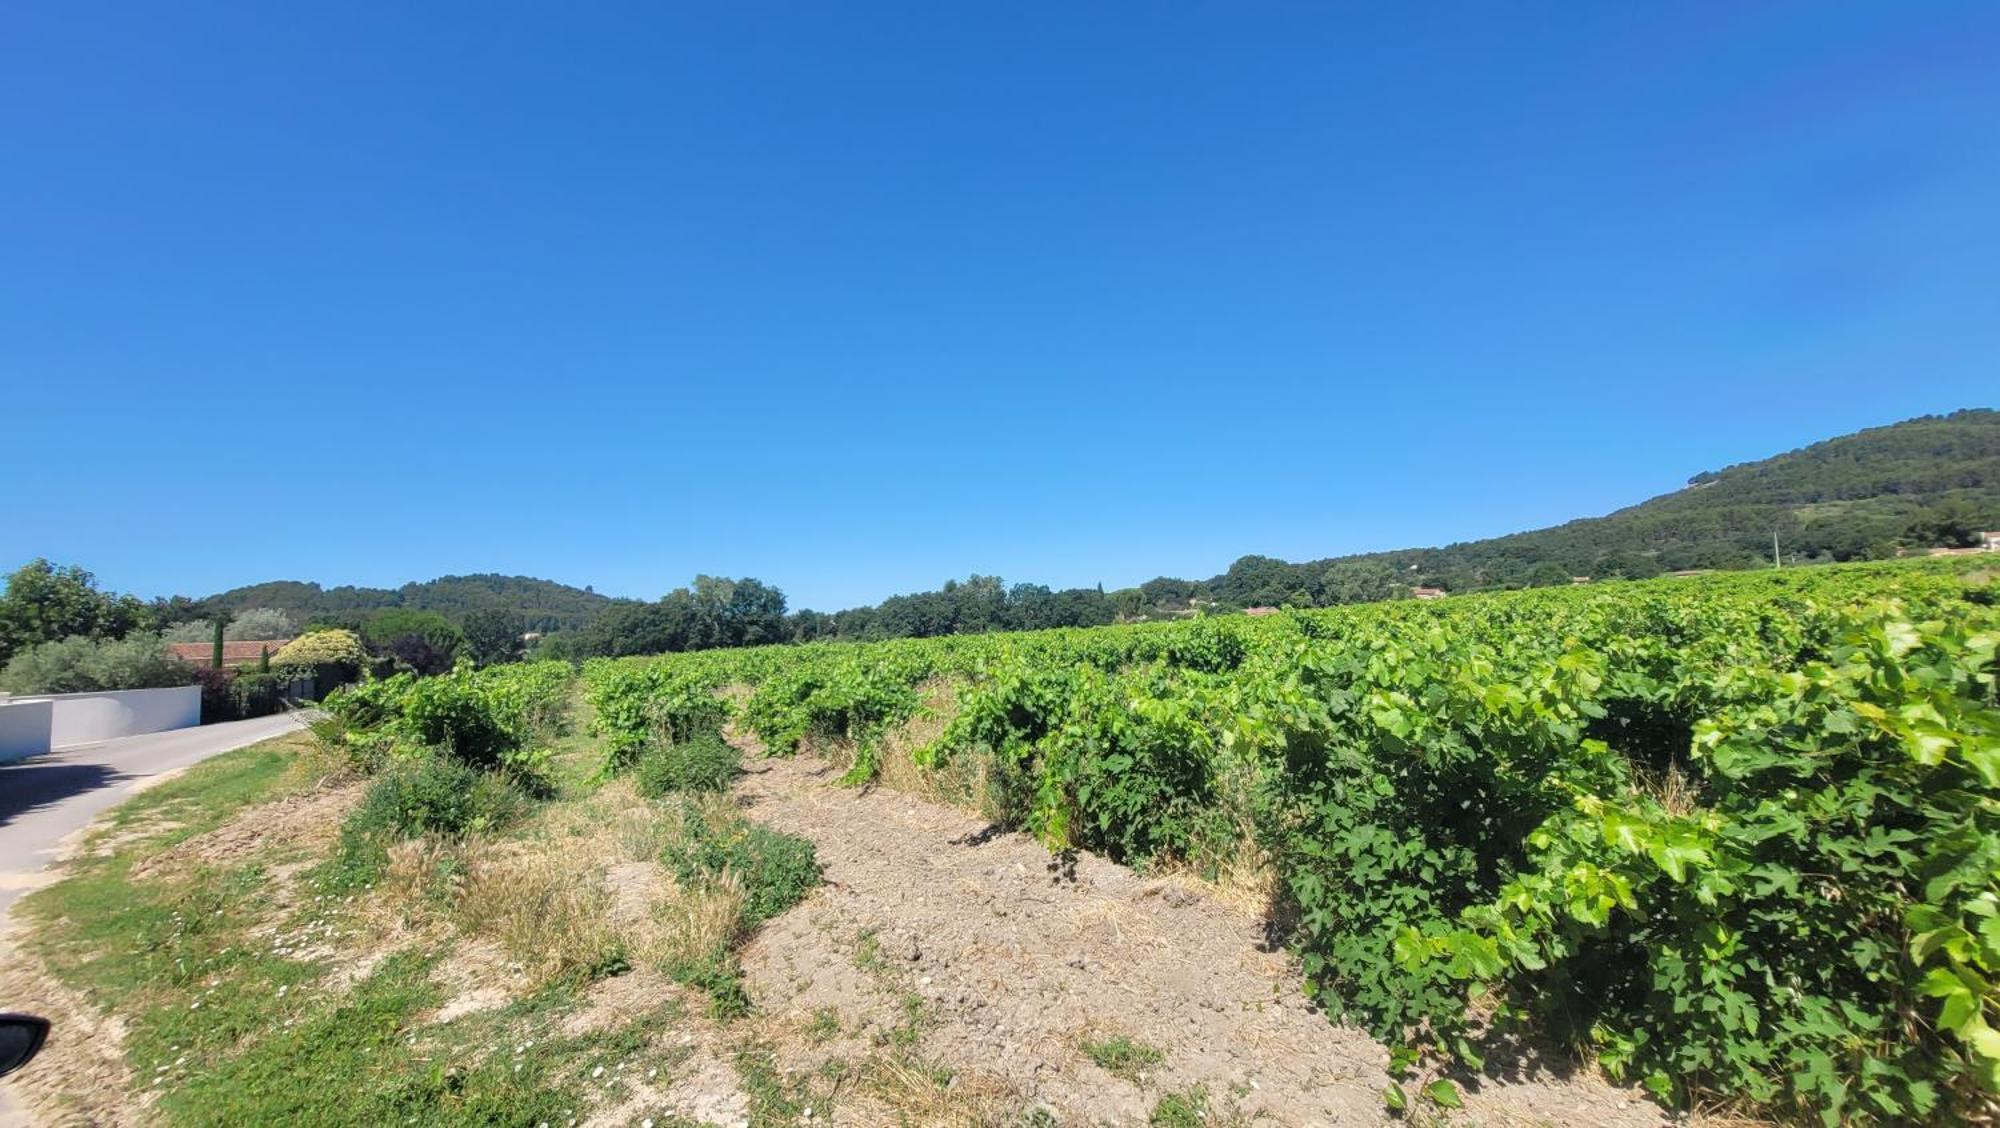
857,297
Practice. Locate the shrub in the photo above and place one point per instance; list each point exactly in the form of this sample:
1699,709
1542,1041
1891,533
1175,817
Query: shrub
370,704
434,794
232,695
335,656
259,694
775,870
440,795
703,763
83,665
424,642
459,714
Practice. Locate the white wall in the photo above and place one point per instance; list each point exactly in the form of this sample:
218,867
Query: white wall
86,718
24,728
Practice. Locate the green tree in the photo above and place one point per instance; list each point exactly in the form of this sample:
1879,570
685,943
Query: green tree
1548,574
46,603
1360,581
86,665
260,624
493,636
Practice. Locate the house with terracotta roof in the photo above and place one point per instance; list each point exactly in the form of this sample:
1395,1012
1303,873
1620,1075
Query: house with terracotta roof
235,655
1427,593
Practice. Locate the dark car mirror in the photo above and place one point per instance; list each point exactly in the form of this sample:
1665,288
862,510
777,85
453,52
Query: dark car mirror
21,1038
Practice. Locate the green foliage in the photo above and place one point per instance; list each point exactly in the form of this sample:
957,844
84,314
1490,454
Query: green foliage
1626,814
1188,1108
1846,846
498,718
717,975
428,794
44,603
333,650
775,870
835,700
254,624
714,612
637,703
702,763
422,642
493,636
543,605
234,695
458,713
435,794
82,665
1120,1056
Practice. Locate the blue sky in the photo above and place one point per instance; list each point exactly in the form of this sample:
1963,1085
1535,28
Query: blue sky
855,298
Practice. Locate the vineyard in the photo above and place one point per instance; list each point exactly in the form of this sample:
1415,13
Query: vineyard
1735,838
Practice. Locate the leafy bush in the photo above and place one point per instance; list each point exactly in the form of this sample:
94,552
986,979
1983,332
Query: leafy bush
775,870
235,695
432,794
641,703
335,655
84,665
703,763
487,718
457,713
369,704
1845,850
423,642
259,694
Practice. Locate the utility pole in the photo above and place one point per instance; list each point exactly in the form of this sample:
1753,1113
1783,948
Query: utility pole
1776,560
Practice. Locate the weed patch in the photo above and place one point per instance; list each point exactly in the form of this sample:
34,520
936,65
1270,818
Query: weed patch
1121,1056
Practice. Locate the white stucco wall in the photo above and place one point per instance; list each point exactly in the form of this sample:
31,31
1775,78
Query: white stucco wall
86,718
24,728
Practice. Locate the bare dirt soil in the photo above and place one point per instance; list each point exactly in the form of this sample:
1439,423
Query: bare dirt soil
965,940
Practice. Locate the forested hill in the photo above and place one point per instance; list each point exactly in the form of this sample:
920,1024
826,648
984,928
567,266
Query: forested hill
1924,482
1909,486
544,605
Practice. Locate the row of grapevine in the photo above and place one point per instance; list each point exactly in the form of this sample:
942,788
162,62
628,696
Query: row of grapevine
1735,836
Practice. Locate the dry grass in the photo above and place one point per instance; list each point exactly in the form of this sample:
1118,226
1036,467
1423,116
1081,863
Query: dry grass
1677,791
914,1091
580,891
691,924
548,908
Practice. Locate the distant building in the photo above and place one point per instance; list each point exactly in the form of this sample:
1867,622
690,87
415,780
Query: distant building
1990,541
1427,593
1686,572
1260,611
235,655
1579,579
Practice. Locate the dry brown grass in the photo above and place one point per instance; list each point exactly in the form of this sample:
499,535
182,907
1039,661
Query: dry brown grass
692,924
913,1091
580,889
1676,790
547,907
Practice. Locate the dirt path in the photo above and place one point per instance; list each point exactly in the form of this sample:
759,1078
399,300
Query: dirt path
965,944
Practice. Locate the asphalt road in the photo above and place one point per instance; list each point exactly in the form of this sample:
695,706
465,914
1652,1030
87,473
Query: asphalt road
44,799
